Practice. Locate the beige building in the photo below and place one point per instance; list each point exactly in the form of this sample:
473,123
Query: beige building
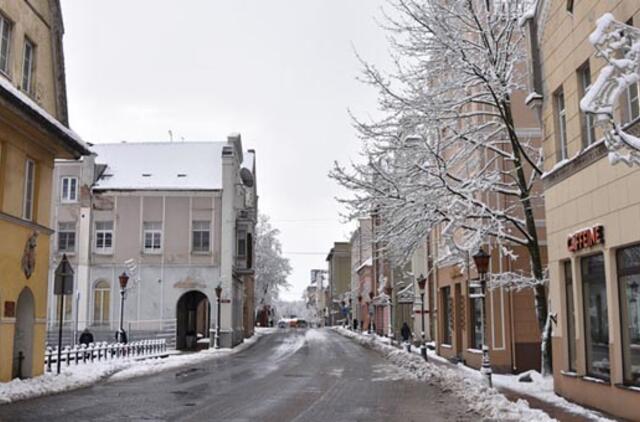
33,132
339,275
592,210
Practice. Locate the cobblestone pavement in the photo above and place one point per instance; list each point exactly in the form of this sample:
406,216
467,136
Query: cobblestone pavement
292,375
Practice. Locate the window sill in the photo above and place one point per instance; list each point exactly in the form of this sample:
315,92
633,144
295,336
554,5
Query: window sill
569,374
152,253
104,253
633,388
68,253
446,346
201,253
475,351
595,380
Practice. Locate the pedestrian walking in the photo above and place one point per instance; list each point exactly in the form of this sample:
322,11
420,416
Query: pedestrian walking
86,337
405,331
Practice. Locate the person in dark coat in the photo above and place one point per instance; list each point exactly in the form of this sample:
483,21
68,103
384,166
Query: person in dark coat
121,336
405,332
86,337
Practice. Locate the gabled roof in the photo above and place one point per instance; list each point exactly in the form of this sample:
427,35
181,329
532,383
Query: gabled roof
160,166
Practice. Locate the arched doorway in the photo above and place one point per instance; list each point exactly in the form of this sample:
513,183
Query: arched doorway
193,312
23,335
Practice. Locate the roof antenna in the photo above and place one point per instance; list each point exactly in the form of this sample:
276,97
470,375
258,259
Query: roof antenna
170,135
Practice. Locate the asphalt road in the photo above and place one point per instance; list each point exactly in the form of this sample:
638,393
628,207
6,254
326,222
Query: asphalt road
292,375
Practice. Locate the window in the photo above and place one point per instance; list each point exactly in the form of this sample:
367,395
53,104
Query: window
104,236
27,66
201,236
587,121
447,315
596,326
101,303
475,307
633,99
242,243
66,237
561,125
570,315
29,188
152,237
68,307
629,288
69,189
570,6
5,43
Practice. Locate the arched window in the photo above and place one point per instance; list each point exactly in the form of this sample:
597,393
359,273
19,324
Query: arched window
101,302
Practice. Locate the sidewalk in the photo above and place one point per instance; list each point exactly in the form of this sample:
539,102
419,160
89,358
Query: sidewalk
538,394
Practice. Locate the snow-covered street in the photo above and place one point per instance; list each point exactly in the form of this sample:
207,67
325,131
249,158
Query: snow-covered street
312,375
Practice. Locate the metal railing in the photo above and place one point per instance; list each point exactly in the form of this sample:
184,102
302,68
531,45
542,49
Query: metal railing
103,351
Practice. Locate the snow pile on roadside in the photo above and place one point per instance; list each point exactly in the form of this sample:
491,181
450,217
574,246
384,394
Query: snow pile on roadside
481,399
85,375
542,388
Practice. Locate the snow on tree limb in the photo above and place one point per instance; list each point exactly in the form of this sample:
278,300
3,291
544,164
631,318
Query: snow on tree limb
272,269
619,45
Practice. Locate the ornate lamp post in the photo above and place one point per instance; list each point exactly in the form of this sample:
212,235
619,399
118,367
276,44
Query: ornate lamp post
388,290
123,279
481,259
218,290
370,312
422,281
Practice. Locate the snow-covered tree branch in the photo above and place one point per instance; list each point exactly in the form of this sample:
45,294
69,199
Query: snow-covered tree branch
272,269
446,155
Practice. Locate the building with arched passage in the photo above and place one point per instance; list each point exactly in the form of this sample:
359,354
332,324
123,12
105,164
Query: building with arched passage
33,132
178,218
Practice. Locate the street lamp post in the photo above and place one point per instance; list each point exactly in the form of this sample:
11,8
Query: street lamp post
218,290
423,345
123,279
388,290
359,313
370,312
481,259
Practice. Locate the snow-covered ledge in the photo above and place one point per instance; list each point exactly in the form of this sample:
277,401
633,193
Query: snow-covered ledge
619,45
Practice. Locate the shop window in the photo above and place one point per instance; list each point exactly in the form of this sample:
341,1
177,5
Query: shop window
629,288
447,315
570,315
594,291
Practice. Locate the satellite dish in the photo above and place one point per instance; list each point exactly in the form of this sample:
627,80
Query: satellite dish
247,177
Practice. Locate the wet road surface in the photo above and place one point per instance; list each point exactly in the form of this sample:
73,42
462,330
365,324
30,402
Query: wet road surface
292,375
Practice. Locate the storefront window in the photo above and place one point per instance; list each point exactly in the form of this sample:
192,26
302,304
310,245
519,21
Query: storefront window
629,288
447,315
570,315
594,291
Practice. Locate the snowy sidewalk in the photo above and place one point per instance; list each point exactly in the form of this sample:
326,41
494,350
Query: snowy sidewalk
510,400
85,375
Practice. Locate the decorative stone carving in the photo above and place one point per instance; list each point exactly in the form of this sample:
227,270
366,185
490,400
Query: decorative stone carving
29,255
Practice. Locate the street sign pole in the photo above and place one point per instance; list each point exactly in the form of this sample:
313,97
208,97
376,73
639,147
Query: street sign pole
61,316
63,285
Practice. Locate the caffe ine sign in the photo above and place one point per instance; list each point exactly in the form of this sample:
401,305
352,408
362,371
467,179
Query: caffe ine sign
585,238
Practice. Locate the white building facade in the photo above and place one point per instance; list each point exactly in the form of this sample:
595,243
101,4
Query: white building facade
178,219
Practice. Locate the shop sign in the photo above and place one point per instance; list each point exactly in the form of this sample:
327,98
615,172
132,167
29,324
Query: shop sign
586,238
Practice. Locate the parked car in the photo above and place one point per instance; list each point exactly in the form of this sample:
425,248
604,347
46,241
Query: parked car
283,324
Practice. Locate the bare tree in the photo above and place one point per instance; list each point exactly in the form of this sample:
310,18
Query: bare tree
446,155
272,269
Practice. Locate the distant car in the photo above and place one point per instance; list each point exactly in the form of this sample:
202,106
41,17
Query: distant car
282,324
301,323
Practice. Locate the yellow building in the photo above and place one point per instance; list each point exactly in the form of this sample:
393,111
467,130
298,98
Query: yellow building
33,132
592,210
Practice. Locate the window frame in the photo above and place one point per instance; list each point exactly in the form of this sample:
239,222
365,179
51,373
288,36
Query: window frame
5,23
155,232
447,316
104,232
587,324
29,188
101,291
560,106
66,232
587,121
28,87
197,227
68,199
570,317
623,271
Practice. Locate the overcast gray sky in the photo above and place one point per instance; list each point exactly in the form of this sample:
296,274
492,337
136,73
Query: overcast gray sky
281,72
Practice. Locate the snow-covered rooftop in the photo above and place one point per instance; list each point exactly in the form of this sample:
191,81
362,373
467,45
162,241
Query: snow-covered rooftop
160,165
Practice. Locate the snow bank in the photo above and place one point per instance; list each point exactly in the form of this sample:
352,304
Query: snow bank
487,402
74,377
